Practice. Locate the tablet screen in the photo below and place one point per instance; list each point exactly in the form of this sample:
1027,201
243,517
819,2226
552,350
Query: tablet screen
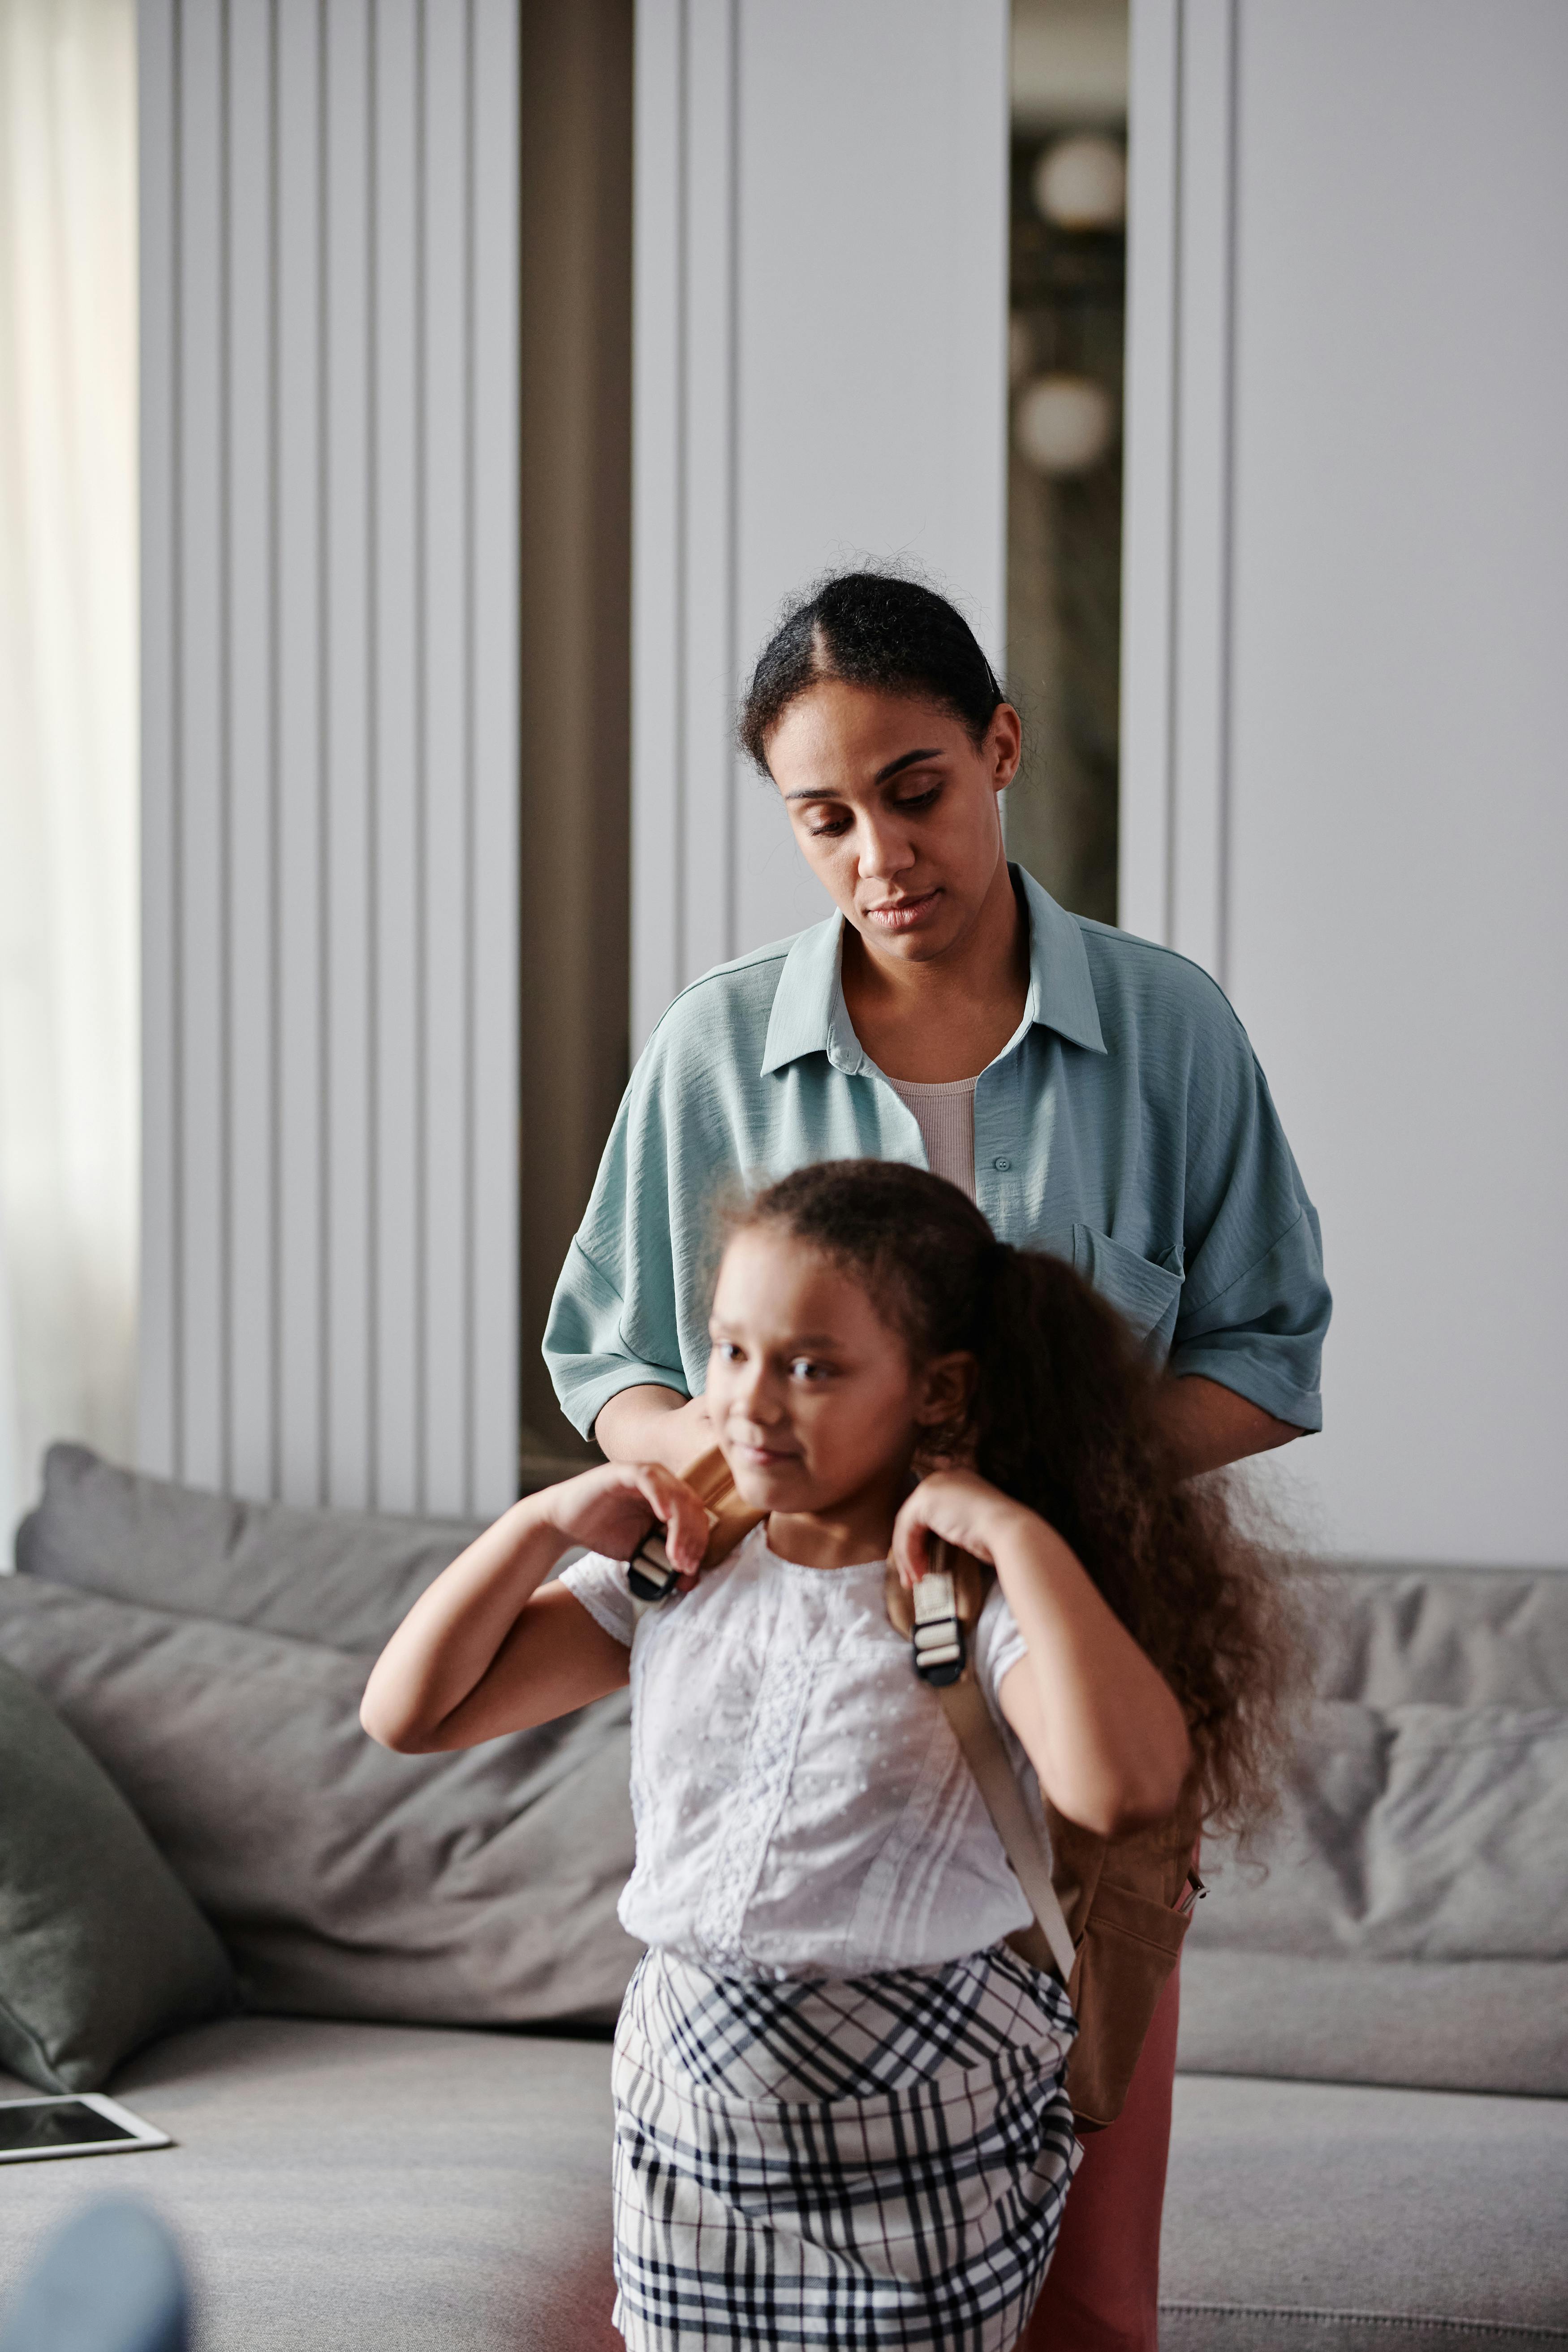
65,2124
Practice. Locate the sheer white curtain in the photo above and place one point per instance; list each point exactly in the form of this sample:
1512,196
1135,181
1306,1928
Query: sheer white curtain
68,1058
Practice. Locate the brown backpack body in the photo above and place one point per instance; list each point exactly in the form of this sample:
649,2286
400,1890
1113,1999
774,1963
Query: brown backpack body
1127,1904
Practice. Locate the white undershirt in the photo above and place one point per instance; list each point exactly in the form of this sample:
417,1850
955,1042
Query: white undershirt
946,1116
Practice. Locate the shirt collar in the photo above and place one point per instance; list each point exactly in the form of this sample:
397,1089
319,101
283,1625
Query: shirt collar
808,1014
1061,988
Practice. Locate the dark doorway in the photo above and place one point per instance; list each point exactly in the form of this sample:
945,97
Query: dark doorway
1067,330
575,677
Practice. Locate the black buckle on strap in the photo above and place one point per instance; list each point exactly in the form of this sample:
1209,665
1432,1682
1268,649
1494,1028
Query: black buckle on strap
651,1573
941,1652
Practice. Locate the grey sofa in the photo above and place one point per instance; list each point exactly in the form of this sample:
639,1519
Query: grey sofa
1371,2142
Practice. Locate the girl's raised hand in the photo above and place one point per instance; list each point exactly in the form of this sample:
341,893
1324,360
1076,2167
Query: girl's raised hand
609,1510
959,1506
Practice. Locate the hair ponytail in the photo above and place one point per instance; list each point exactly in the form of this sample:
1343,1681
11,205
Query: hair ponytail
1063,1409
1064,1416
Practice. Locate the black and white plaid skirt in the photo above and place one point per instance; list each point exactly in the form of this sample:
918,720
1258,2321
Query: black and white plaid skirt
860,2162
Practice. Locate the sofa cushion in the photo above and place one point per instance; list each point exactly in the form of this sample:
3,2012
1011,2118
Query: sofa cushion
1443,1637
1426,1826
1456,2025
100,1946
346,1578
1412,1832
1330,2217
366,2188
479,1887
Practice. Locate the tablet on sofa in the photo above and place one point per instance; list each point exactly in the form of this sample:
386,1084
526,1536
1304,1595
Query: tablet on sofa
85,2124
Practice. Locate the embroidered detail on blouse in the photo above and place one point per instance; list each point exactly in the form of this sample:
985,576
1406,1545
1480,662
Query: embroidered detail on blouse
800,1802
755,1806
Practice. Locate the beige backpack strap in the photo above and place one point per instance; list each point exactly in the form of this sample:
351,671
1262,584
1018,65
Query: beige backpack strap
729,1519
964,1703
1126,1900
651,1572
1048,1943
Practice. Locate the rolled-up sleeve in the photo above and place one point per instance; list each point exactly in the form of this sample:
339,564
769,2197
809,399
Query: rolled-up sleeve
1263,1335
1254,1303
614,1321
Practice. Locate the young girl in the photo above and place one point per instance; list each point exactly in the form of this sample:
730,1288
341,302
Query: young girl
840,2113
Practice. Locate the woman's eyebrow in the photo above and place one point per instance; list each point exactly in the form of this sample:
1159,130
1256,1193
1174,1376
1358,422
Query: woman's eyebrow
907,759
883,775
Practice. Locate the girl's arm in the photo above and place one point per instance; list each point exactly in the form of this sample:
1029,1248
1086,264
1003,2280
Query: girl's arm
1100,1724
484,1652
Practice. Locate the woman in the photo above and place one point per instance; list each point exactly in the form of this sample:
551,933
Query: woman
1095,1095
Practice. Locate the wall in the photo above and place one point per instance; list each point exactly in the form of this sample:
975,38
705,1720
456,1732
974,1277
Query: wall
329,259
1345,696
820,324
344,1264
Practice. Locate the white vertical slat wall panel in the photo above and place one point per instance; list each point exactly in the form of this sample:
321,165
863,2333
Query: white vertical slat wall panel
710,230
1149,435
302,772
159,1401
1178,558
1199,883
493,993
248,605
820,307
204,368
399,947
446,523
658,630
348,516
329,322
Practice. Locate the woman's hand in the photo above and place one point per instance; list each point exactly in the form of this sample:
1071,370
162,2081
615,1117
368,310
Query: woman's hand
957,1506
609,1510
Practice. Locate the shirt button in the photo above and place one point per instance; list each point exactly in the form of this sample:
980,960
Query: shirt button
1002,1164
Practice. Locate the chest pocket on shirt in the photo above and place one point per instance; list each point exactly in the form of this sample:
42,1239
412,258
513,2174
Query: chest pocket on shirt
1145,1295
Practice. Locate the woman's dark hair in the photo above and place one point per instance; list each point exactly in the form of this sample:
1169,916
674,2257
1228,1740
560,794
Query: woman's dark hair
1064,1417
876,629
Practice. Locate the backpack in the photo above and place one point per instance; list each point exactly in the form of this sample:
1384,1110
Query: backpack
1110,1915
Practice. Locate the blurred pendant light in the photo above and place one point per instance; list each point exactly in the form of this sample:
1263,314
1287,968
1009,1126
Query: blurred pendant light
1081,183
1063,424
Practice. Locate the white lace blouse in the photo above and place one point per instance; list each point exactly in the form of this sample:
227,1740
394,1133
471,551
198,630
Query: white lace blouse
800,1803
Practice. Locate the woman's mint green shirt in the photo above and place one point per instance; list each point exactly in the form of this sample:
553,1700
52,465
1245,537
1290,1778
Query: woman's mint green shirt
1127,1126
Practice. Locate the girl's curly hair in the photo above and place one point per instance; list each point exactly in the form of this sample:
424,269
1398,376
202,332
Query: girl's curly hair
1064,1416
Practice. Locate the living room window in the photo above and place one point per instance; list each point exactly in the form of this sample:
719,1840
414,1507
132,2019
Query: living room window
68,703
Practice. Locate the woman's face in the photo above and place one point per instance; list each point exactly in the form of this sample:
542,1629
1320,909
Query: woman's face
896,809
813,1397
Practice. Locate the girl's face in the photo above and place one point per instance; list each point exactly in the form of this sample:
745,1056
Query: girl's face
895,811
813,1398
